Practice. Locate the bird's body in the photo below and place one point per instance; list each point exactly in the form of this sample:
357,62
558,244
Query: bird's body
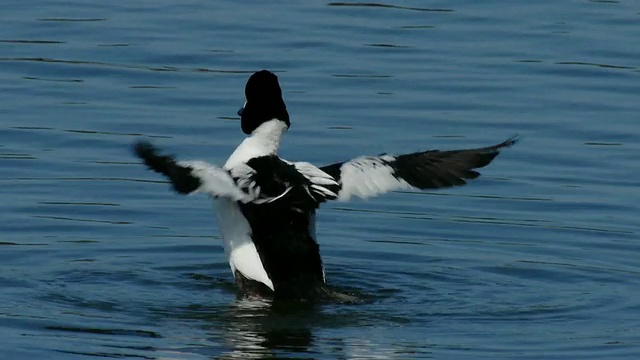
266,206
274,239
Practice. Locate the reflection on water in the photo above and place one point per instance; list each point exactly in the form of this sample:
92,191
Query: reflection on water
257,328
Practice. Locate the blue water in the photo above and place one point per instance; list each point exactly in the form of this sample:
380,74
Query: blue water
539,258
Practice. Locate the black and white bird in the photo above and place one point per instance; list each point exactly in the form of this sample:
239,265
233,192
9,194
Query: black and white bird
266,205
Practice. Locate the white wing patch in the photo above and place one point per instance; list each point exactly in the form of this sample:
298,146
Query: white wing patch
217,182
318,178
366,176
235,184
314,174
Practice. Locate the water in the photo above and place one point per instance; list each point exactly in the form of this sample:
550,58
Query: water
539,258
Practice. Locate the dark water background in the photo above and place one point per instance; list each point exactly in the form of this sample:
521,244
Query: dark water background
539,258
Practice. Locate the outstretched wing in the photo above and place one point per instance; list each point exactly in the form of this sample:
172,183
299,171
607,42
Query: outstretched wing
197,176
369,176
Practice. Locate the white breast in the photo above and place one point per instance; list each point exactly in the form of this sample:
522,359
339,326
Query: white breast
242,252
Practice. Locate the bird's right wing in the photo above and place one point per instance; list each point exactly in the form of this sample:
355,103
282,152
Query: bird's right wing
198,176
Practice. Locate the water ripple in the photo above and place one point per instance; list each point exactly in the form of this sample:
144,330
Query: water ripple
124,66
388,6
72,19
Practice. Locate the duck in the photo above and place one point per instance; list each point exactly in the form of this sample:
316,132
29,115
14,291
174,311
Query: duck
266,205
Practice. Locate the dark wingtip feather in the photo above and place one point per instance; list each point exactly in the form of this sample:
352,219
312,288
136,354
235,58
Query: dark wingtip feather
143,149
181,178
149,155
508,143
486,155
438,169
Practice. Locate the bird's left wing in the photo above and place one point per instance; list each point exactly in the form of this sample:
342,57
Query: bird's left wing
369,176
198,176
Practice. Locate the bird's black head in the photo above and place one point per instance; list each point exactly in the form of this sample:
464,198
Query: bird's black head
264,102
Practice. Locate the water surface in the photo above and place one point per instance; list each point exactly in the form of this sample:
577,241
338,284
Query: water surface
539,258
